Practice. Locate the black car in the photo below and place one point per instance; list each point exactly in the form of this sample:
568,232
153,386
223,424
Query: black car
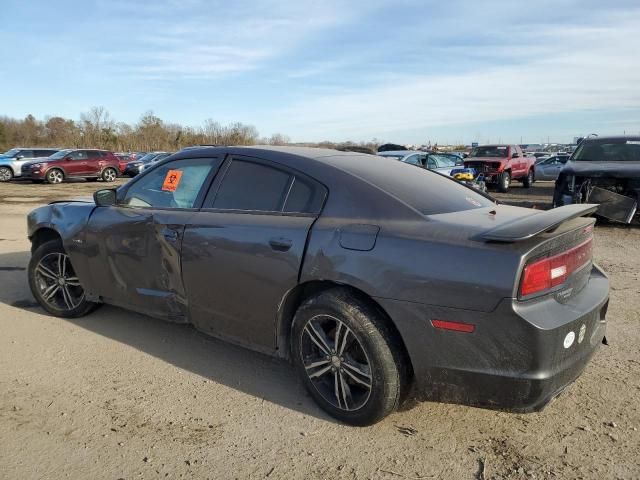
369,275
134,167
606,171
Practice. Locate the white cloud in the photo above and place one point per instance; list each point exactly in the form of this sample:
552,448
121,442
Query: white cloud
557,68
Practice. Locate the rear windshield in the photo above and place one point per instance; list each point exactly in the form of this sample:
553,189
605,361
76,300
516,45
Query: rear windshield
618,150
428,192
490,151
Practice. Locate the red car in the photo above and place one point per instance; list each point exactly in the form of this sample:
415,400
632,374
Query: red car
81,163
500,164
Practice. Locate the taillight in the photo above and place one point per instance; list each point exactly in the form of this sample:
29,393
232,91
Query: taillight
550,272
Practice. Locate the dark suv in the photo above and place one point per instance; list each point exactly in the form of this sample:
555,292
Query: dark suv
81,163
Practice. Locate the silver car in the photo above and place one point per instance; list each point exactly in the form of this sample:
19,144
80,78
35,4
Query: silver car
12,160
549,169
431,161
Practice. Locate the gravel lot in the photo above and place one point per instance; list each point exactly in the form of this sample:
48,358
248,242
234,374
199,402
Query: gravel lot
119,395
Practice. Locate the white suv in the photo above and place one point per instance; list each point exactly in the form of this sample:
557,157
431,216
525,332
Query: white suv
12,160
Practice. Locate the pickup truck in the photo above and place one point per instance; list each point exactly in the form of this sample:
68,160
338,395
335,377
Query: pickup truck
502,163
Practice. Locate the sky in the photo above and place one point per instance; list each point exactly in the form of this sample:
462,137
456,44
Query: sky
401,71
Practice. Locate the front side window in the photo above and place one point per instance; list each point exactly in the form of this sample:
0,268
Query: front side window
25,154
173,185
59,155
78,155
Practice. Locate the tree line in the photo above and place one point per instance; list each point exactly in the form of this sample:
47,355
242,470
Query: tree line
97,129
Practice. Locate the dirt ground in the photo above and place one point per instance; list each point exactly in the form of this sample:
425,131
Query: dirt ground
119,395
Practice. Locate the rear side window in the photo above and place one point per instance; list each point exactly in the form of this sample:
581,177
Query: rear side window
94,154
78,155
44,153
252,186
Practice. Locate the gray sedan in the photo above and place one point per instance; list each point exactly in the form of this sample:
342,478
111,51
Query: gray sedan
431,161
549,169
369,275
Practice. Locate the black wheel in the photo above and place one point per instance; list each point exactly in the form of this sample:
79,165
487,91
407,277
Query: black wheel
528,180
54,284
6,174
109,174
504,180
346,355
55,175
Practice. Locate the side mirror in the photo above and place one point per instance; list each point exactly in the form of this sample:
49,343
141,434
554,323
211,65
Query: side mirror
105,197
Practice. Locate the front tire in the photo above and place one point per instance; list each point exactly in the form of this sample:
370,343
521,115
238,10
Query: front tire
504,181
6,174
54,284
347,357
55,176
109,175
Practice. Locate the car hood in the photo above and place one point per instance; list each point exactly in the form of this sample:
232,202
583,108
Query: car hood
602,169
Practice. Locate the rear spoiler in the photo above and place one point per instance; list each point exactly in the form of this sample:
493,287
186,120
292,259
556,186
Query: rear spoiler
532,225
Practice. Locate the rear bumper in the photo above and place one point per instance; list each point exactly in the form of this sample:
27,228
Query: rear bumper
515,359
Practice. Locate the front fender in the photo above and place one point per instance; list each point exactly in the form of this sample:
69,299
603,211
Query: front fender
69,221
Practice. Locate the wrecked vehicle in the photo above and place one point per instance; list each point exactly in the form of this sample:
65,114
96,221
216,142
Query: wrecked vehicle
606,171
370,275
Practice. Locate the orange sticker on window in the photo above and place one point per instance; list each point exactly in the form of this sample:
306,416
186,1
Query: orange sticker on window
172,180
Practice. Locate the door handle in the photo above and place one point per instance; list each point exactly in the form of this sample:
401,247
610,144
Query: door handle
280,244
170,235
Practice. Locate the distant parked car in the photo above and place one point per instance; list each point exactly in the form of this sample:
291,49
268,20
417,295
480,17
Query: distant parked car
549,168
80,163
135,167
12,160
123,160
431,161
500,164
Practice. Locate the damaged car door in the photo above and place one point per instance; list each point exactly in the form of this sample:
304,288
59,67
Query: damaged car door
137,242
243,250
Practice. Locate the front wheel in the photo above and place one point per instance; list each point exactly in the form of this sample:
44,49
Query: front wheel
348,358
6,174
109,174
504,180
54,283
55,176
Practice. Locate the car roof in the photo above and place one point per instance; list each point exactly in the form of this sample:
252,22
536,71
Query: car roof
615,138
399,152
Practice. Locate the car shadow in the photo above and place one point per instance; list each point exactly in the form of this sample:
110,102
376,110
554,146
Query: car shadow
256,374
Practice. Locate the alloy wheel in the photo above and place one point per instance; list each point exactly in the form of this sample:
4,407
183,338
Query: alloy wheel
57,282
5,174
109,175
336,362
55,176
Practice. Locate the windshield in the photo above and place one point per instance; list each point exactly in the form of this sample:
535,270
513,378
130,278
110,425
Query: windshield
621,150
11,153
443,161
147,158
59,155
490,151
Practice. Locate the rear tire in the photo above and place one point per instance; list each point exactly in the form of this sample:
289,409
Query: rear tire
347,357
504,180
54,284
6,174
109,175
529,179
